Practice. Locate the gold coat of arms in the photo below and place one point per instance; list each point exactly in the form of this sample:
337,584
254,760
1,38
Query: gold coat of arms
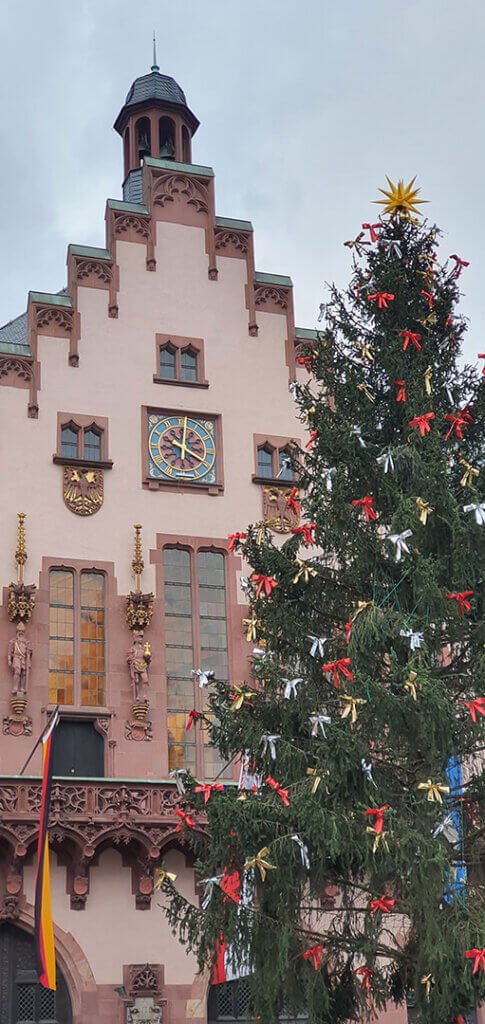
82,490
276,513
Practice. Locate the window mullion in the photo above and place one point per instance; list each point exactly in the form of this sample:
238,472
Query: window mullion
178,376
77,638
199,693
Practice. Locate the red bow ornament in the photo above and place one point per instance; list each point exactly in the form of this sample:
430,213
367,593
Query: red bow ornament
282,793
382,904
234,539
365,975
184,818
478,957
422,422
341,665
458,421
367,509
191,719
209,788
429,298
459,265
378,814
382,298
410,337
401,390
291,501
315,954
306,533
372,228
348,630
312,439
475,707
481,355
264,583
305,361
461,599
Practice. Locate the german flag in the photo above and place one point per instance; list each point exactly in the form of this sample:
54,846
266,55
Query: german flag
44,929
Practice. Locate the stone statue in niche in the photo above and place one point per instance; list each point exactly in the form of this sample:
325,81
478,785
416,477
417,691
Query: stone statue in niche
20,660
138,658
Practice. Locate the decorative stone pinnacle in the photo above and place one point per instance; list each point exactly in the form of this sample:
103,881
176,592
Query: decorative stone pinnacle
21,552
137,564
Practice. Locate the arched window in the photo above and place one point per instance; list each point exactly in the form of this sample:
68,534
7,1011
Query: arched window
76,638
167,362
92,444
143,138
285,471
70,441
166,136
188,364
186,156
22,998
265,461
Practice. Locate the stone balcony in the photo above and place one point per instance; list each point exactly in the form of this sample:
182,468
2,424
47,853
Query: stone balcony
87,815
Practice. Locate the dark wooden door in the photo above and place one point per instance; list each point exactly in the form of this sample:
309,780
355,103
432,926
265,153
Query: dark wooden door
22,1000
78,749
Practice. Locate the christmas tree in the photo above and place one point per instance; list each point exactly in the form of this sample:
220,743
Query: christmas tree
343,873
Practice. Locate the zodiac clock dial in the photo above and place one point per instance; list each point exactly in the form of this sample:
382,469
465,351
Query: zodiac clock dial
181,447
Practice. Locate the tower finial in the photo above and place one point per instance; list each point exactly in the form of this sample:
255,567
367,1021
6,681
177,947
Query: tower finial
154,66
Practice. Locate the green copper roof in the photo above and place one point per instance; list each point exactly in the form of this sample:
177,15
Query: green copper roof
280,279
172,165
50,299
118,204
90,251
305,334
229,222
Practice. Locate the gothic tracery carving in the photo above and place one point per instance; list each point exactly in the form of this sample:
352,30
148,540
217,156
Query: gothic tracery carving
129,222
16,367
171,187
264,295
231,239
52,315
99,269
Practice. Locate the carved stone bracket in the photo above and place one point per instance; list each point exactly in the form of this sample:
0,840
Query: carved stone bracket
139,610
21,601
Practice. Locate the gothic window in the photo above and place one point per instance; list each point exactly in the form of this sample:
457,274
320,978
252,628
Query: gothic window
188,364
231,1001
92,444
180,361
70,441
195,638
285,471
76,637
167,362
265,461
166,129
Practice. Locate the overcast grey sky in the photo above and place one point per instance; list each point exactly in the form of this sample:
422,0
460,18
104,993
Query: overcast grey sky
304,107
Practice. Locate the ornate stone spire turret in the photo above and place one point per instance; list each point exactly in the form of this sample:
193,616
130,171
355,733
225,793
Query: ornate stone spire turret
139,607
155,120
21,598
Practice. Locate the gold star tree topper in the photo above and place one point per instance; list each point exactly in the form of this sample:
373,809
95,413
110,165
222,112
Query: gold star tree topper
400,199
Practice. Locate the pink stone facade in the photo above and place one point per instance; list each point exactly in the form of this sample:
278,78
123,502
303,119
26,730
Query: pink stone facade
171,269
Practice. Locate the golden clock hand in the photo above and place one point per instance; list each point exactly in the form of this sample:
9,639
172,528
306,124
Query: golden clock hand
189,451
184,435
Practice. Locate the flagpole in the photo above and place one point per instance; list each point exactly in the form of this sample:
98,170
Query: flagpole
39,741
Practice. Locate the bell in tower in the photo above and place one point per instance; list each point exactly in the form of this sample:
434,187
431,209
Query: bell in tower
154,122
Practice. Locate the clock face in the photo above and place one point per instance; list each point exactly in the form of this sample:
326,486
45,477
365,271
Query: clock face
181,448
